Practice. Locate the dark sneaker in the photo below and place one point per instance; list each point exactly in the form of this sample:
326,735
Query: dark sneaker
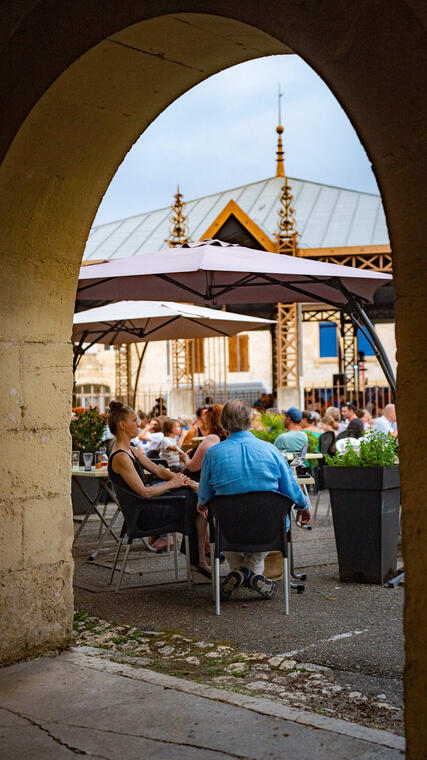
231,583
263,586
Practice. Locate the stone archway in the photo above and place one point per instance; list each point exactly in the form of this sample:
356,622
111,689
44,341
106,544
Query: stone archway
81,83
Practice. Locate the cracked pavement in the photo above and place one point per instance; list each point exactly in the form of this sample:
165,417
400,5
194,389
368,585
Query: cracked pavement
80,703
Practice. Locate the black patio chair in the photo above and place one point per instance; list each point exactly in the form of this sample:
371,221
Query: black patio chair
326,446
249,522
130,505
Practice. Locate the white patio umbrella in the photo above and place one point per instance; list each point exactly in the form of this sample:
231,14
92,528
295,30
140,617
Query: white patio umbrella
144,321
212,272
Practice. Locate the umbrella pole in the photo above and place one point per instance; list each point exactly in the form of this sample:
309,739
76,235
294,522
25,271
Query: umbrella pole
378,348
138,372
359,317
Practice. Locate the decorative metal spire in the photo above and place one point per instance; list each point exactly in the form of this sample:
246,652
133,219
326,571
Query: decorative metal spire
178,230
286,237
280,169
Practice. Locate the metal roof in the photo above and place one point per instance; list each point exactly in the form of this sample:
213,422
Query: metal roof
326,217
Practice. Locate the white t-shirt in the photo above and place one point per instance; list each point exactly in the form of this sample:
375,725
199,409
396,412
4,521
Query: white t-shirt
383,425
155,441
172,457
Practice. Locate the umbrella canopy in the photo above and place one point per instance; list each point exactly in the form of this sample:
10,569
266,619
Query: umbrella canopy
218,273
134,321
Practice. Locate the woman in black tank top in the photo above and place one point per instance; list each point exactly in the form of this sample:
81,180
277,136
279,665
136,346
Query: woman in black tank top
126,469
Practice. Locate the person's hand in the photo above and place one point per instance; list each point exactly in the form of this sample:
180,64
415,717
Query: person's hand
177,480
191,484
303,516
184,457
202,510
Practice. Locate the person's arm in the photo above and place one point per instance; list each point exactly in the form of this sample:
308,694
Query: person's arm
289,487
195,464
123,466
160,472
206,491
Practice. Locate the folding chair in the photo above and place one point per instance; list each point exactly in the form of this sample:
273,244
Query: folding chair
326,446
249,522
130,506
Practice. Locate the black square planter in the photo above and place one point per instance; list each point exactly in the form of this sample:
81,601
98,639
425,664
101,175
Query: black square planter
365,509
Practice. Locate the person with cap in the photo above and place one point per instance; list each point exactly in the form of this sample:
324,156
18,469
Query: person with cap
294,439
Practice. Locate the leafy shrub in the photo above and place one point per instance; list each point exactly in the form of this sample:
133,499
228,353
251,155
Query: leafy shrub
87,428
273,425
376,450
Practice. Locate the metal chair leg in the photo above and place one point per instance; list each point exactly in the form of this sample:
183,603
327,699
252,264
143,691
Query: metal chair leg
317,505
213,574
217,593
328,513
175,556
286,583
187,562
297,576
122,569
119,546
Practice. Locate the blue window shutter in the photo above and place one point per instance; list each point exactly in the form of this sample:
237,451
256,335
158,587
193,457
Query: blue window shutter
327,339
364,345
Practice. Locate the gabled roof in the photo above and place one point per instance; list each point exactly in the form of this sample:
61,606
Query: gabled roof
326,216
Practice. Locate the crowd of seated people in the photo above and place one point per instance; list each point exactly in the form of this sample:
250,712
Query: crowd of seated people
224,459
229,460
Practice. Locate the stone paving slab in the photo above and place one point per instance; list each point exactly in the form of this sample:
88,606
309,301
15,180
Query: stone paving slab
79,703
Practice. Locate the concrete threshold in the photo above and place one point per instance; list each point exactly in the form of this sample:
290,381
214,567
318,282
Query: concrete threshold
91,658
82,702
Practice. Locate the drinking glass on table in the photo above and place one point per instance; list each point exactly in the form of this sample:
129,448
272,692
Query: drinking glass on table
76,460
88,459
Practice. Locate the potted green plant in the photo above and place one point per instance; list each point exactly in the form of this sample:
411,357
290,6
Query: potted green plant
87,429
364,487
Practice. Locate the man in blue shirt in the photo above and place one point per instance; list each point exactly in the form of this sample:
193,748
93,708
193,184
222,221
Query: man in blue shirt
240,464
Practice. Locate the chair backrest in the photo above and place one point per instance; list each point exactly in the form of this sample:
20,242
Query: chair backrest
251,522
153,454
132,507
303,451
327,442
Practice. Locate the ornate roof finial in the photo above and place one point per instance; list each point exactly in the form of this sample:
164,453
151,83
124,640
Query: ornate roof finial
178,230
280,170
286,237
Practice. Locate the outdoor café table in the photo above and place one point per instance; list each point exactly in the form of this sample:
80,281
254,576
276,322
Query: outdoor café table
104,485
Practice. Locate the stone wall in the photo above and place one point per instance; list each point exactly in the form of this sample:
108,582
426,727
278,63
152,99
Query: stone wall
80,84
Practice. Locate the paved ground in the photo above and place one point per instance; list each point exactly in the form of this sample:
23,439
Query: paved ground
80,704
352,628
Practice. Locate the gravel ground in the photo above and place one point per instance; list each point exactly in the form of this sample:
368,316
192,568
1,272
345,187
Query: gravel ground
305,685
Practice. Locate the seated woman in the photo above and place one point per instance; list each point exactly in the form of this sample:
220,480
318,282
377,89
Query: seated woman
198,429
126,469
331,420
193,465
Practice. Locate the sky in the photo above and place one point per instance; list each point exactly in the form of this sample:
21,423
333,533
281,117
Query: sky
221,134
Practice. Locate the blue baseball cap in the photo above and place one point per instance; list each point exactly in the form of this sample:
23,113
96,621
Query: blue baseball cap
294,414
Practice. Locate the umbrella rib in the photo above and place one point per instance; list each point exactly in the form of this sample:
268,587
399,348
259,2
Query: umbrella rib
93,284
179,285
214,329
160,327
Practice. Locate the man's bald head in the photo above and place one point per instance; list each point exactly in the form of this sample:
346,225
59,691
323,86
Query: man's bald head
390,412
